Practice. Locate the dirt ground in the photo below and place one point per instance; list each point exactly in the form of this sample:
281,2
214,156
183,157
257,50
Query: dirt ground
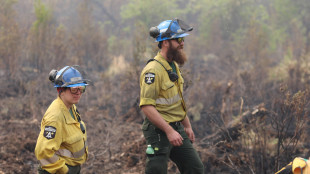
116,145
118,150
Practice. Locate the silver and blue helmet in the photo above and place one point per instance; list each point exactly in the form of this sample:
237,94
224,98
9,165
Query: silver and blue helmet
68,76
170,29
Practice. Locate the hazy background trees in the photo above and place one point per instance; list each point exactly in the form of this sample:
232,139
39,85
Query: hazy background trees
243,55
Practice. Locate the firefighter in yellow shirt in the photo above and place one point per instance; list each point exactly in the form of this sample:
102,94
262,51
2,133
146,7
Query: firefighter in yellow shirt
298,166
62,143
167,128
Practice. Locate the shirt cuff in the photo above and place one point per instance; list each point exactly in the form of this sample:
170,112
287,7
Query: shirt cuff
147,101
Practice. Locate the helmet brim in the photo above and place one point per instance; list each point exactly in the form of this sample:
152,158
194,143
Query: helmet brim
78,84
158,39
73,85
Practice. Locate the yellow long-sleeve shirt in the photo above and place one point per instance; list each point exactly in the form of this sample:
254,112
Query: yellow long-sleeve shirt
158,90
61,140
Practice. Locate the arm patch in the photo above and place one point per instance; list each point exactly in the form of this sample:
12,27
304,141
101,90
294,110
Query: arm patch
149,78
49,132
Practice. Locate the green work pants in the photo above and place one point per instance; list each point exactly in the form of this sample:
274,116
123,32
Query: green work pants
185,157
72,170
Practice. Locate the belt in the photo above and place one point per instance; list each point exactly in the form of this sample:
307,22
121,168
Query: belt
177,123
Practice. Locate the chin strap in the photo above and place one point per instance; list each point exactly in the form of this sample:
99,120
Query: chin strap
60,90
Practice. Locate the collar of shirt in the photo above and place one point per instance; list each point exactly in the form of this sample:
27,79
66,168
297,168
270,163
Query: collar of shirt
162,60
66,112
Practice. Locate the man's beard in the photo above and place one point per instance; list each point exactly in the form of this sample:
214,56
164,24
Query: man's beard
176,54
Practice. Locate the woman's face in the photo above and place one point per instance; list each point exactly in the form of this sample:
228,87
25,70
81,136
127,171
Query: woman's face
72,95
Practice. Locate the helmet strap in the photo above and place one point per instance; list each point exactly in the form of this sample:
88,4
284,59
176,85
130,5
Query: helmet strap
60,90
160,44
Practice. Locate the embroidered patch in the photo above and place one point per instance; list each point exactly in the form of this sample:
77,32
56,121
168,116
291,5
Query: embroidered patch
149,78
49,132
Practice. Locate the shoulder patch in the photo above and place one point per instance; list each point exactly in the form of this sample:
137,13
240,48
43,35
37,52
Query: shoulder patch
149,78
49,132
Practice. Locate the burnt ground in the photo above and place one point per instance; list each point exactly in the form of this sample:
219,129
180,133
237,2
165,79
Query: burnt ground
113,148
115,140
116,144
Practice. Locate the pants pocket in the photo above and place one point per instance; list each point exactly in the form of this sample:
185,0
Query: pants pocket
158,141
74,169
145,126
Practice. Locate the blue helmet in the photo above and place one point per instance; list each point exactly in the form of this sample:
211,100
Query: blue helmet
68,76
170,29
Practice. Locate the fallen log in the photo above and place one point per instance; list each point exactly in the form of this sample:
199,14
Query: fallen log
232,131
